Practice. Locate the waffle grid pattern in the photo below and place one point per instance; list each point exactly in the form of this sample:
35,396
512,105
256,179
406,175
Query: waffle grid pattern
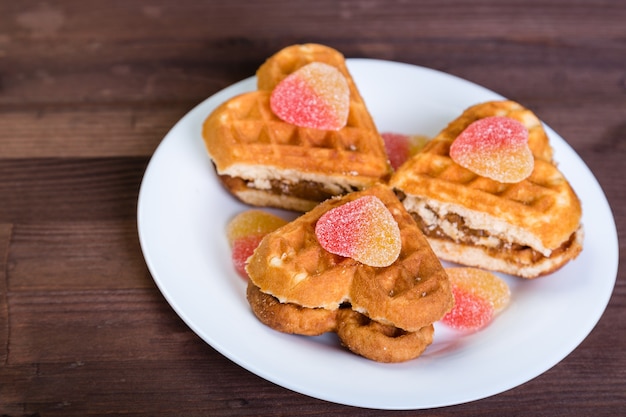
411,293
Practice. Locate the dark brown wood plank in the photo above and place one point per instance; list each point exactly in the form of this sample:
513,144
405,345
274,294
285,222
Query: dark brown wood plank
5,240
97,325
63,189
85,131
188,19
135,53
76,256
525,69
217,387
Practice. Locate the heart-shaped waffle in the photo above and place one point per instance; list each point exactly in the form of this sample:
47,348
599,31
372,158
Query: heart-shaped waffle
266,161
385,314
527,228
292,266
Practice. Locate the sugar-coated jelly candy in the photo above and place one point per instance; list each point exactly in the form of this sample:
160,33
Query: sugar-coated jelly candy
397,147
470,312
401,147
252,222
362,229
316,96
244,233
478,297
495,147
482,283
242,249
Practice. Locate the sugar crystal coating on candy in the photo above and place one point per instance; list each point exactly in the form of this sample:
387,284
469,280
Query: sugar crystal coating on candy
242,249
400,147
252,222
478,296
362,229
483,284
315,96
245,231
397,147
470,312
495,147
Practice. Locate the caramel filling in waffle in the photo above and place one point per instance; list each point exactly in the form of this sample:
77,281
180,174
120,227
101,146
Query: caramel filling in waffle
496,246
307,190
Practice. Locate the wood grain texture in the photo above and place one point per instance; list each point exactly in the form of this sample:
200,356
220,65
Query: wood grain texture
85,131
51,189
88,89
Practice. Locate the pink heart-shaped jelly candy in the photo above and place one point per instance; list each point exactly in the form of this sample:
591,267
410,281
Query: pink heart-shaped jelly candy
316,96
244,233
495,147
242,249
470,312
481,283
362,229
397,147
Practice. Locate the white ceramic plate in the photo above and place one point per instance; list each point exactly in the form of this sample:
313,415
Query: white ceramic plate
182,213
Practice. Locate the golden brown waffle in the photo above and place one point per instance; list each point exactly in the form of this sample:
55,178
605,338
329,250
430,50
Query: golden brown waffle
266,161
293,57
289,317
357,332
381,342
528,228
411,293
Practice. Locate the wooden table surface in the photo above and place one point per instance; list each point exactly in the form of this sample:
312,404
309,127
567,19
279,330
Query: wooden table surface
88,90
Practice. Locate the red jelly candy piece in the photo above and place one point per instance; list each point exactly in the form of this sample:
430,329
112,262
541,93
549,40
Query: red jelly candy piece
316,96
483,284
470,312
401,147
362,229
495,147
252,222
397,147
242,250
244,233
